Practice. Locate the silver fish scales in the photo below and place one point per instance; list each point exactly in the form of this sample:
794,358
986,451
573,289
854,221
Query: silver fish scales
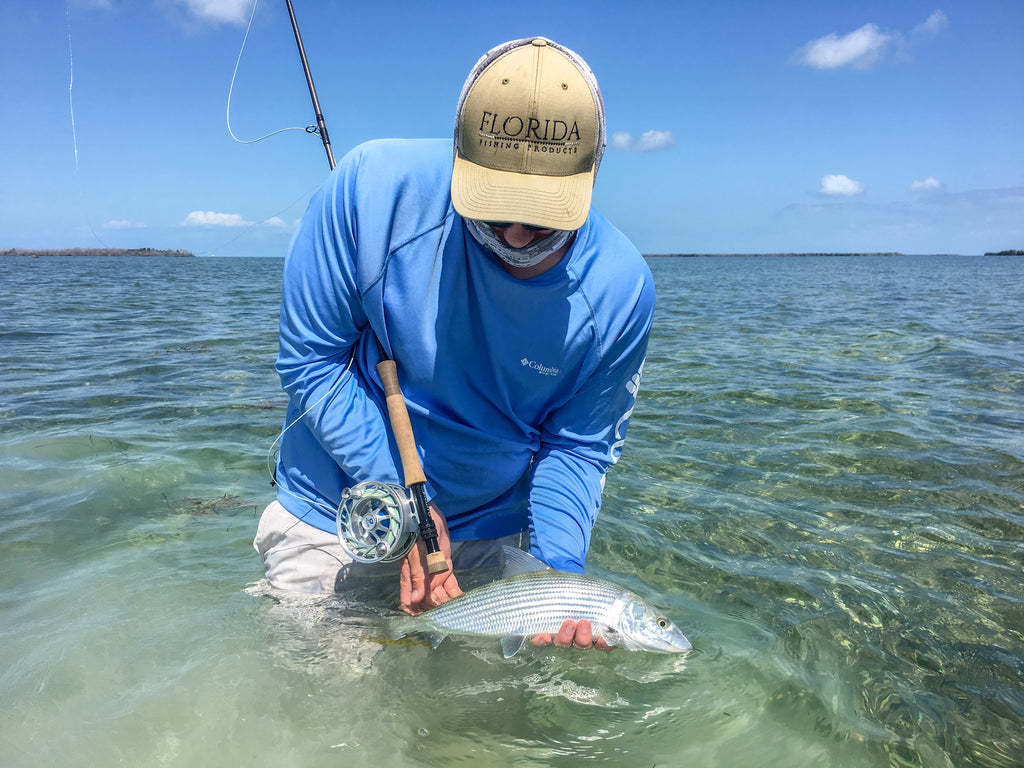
534,599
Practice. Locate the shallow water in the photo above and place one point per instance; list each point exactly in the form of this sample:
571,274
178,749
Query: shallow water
823,485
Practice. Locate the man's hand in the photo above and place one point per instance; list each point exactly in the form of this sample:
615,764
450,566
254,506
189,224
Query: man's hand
418,591
573,635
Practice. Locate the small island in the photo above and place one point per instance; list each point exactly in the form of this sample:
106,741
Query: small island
706,255
1017,252
147,252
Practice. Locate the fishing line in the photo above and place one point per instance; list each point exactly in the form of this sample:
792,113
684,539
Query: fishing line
246,230
272,456
74,132
369,524
234,75
227,117
71,84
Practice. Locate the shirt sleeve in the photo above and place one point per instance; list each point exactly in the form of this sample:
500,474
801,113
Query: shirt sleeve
582,439
323,324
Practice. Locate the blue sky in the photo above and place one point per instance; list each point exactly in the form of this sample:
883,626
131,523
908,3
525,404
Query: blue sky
734,127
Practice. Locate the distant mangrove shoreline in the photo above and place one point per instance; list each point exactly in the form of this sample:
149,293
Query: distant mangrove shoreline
147,252
829,253
151,252
708,255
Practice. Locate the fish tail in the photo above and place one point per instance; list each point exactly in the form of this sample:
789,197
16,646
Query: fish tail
399,626
402,626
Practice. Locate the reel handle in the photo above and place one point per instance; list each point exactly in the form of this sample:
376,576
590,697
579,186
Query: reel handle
415,479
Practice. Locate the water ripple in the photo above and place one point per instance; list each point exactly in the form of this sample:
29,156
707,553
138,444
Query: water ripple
823,485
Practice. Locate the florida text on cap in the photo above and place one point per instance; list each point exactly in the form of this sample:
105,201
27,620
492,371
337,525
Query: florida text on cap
529,136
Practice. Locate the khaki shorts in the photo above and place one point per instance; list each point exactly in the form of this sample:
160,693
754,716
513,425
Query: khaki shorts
299,557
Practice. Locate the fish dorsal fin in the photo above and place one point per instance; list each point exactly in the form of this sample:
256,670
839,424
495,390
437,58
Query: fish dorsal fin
518,562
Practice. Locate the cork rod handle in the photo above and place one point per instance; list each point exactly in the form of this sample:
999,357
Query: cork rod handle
412,468
401,428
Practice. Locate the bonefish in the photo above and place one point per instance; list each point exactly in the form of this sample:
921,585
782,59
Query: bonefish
534,599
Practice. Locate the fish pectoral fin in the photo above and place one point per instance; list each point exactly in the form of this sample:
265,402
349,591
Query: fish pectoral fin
611,636
512,644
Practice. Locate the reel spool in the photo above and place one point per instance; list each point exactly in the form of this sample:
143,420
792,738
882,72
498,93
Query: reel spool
377,522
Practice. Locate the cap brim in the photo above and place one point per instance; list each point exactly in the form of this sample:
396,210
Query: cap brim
558,202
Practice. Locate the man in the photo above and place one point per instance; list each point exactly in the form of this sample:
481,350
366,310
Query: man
517,316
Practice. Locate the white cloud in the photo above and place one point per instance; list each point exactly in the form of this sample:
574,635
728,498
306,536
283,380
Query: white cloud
836,184
220,11
122,224
933,25
213,219
867,46
861,49
926,185
649,141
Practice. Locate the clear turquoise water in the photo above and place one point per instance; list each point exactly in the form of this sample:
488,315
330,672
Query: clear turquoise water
823,484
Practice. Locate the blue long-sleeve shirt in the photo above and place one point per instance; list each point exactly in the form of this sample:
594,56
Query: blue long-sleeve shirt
519,391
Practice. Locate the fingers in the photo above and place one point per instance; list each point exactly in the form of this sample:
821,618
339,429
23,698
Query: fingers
566,637
563,639
437,596
443,588
418,591
411,583
572,634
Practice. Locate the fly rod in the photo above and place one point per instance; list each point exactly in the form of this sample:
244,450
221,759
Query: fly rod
387,370
321,126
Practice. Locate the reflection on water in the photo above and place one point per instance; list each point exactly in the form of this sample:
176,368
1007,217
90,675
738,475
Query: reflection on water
823,485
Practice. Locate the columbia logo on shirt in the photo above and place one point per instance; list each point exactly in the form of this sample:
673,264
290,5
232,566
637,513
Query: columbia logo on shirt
544,370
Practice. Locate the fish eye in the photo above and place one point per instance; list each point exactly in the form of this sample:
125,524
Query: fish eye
663,622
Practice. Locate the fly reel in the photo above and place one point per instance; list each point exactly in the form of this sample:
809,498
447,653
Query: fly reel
377,522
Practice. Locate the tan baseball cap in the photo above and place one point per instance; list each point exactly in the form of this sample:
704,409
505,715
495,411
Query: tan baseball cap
529,136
